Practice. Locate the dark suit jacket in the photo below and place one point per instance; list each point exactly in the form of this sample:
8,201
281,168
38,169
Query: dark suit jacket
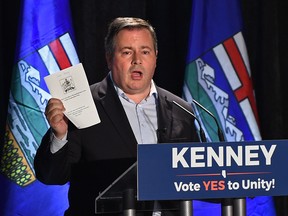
96,156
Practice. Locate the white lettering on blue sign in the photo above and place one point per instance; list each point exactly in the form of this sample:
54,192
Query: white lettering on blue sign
186,186
259,184
221,156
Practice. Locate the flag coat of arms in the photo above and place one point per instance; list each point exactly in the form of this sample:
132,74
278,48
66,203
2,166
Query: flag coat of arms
218,76
45,45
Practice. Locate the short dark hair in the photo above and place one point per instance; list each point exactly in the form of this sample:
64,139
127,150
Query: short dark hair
121,23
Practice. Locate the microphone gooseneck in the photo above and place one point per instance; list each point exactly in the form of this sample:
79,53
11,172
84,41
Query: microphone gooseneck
201,131
220,132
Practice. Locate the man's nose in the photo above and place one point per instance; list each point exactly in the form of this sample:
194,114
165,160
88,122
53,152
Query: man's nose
137,59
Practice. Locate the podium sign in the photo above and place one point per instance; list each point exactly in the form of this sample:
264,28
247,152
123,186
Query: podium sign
212,170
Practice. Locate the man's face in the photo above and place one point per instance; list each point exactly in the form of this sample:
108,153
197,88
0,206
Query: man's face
134,61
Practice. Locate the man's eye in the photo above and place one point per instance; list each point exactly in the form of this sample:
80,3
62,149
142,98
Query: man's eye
126,53
146,52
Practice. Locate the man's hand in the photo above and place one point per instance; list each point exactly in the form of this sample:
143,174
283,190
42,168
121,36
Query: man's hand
56,118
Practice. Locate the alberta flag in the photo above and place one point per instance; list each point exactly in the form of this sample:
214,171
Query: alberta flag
218,76
45,45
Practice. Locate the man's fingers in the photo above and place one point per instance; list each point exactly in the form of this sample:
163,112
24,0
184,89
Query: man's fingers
54,105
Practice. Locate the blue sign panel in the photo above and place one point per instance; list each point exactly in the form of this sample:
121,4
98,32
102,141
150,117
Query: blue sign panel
212,170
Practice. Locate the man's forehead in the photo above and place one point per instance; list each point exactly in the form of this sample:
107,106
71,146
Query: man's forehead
127,38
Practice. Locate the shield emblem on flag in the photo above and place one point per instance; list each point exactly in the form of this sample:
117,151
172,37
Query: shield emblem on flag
220,80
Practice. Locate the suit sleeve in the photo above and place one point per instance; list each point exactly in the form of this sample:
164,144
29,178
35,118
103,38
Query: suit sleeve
55,168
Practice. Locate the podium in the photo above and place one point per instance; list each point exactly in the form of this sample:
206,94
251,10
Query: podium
120,198
111,200
183,172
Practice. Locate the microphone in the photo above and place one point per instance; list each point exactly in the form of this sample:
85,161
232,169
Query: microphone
225,204
201,131
220,132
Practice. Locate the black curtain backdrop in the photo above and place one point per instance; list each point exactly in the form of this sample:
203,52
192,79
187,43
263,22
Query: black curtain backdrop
265,32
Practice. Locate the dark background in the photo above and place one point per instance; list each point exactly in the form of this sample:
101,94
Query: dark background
265,32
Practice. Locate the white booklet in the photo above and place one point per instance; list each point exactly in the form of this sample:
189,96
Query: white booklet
71,87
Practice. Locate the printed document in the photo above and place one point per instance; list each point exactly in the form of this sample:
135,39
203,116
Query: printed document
71,87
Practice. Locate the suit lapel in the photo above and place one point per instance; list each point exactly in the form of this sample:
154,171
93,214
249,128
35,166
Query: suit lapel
164,112
115,111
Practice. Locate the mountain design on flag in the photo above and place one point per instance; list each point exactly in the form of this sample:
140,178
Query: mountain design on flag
218,92
26,121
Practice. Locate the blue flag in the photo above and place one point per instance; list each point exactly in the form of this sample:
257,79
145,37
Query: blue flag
218,76
45,45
